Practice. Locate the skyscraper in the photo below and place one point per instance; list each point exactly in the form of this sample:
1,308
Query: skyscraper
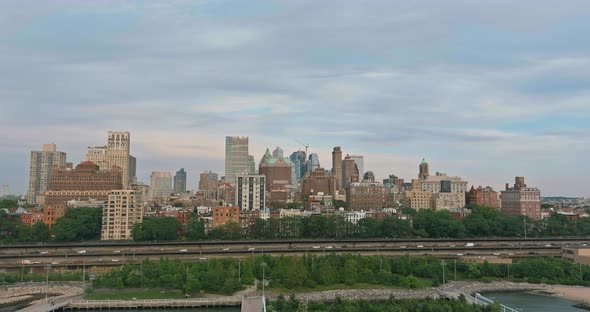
337,166
160,184
40,171
236,158
180,181
350,171
208,183
360,164
276,170
313,163
299,165
423,170
277,153
251,164
115,153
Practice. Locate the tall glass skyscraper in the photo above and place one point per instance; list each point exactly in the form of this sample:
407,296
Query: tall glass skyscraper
313,162
299,165
180,181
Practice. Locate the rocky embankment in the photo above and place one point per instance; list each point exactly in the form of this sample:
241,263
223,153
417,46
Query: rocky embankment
17,294
362,294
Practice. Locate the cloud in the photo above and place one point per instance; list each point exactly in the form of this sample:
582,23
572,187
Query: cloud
483,90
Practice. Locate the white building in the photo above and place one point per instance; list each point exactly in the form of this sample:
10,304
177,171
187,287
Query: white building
119,216
40,171
250,192
355,216
360,164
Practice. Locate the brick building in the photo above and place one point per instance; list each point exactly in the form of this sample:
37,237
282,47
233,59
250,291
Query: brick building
521,200
366,195
318,181
482,196
222,215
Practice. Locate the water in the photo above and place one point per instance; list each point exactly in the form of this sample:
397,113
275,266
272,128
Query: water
179,310
533,303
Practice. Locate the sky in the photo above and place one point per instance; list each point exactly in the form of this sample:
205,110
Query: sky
485,90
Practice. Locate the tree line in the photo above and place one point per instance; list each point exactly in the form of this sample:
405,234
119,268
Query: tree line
228,275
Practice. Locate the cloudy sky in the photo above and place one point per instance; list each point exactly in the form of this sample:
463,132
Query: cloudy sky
486,90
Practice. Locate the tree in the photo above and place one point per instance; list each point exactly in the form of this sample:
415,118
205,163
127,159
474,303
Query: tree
40,232
350,272
369,227
178,205
79,224
156,229
339,204
195,229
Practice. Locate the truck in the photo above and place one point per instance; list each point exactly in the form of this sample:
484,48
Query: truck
469,244
26,262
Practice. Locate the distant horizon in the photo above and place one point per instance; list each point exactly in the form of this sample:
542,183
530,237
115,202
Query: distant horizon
483,90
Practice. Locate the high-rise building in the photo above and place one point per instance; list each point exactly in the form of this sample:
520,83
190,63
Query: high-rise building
423,170
482,196
276,170
122,212
415,197
313,163
250,192
366,195
360,163
208,183
521,200
40,171
83,183
251,165
115,153
160,184
299,165
180,181
350,172
236,158
337,166
277,153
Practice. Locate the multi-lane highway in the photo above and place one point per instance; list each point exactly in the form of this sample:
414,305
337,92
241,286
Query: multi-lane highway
116,253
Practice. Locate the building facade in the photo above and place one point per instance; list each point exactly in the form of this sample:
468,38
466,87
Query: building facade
313,162
447,201
208,183
250,192
40,166
120,214
84,183
160,184
482,196
521,200
299,166
223,215
415,197
180,181
276,170
337,166
366,195
423,170
319,181
236,158
115,153
350,171
277,153
360,164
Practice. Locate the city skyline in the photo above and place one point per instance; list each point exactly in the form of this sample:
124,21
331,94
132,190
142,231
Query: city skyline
483,94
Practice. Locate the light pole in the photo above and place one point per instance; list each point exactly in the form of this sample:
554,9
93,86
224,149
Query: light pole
46,282
524,222
443,266
263,264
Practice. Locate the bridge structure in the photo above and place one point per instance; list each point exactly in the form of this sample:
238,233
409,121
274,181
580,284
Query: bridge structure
452,293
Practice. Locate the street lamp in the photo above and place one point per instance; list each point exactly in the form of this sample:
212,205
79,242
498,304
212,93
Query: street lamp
263,264
443,267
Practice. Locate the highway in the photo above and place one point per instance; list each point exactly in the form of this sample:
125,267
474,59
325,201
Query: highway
109,254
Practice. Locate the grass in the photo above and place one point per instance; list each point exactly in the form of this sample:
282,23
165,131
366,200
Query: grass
129,295
422,283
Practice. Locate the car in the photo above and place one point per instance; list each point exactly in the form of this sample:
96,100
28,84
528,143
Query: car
251,249
99,260
338,246
511,254
81,251
451,246
54,262
183,250
316,247
202,258
404,246
114,260
420,246
36,262
459,254
116,251
328,247
44,252
496,254
548,245
225,249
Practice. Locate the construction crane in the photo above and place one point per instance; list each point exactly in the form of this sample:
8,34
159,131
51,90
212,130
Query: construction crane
303,144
